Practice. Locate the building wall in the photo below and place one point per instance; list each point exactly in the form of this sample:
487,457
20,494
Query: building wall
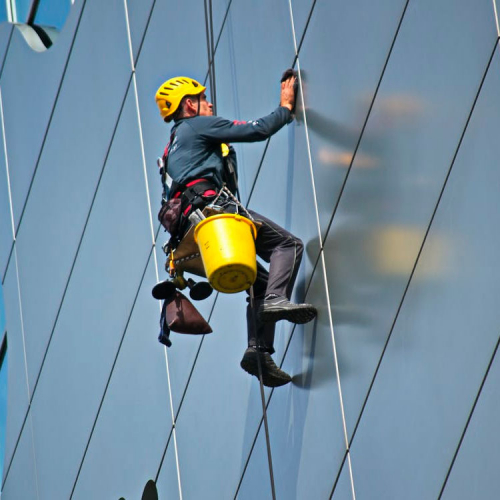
389,175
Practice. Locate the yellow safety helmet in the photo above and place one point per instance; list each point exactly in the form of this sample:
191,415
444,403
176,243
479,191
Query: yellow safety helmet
171,92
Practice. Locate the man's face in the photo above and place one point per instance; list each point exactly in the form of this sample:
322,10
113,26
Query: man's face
205,106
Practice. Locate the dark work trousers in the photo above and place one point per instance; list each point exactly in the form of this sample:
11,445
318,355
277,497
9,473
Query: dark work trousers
283,251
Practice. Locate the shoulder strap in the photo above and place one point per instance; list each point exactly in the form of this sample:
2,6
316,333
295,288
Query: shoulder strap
163,165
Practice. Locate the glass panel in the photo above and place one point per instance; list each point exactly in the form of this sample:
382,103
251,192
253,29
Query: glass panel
297,411
72,161
5,30
219,9
95,313
29,90
3,12
21,481
407,147
189,58
139,12
167,485
343,489
20,10
256,482
124,452
283,180
208,431
17,394
241,93
339,81
301,10
446,331
53,13
182,354
475,471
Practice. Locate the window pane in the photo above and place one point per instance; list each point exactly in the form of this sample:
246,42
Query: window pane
52,13
20,10
3,12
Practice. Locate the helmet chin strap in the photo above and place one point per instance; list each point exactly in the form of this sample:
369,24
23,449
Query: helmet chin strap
198,112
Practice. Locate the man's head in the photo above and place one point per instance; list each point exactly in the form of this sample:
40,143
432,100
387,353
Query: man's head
182,97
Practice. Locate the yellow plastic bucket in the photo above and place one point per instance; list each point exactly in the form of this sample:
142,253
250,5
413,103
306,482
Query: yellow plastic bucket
227,248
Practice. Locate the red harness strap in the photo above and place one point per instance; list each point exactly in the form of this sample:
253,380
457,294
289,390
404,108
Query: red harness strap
208,192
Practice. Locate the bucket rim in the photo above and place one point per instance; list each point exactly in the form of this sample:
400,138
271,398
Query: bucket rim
237,217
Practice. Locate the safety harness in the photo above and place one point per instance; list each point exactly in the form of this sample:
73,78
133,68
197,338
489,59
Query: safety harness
195,193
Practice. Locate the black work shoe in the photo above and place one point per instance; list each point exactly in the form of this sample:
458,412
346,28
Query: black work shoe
164,290
272,375
279,308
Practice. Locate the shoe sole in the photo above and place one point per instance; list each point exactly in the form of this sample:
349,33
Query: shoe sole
297,315
163,290
250,364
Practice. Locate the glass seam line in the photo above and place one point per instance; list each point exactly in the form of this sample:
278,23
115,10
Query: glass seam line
342,191
174,419
7,49
289,341
366,120
247,461
7,167
23,335
108,382
469,419
219,35
141,135
360,416
158,472
212,77
305,30
3,272
71,270
26,374
211,69
49,123
139,50
306,129
139,122
266,432
325,279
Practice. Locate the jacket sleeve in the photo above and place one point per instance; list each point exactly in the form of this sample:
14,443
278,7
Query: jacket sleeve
221,130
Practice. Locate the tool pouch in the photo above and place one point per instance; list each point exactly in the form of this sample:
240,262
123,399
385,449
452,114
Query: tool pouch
182,317
170,215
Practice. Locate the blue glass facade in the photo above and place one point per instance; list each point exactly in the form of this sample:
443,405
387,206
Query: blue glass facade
389,175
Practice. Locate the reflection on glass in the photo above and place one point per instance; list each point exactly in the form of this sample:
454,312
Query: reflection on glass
40,21
52,13
3,401
19,10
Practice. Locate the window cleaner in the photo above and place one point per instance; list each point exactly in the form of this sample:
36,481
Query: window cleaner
203,167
